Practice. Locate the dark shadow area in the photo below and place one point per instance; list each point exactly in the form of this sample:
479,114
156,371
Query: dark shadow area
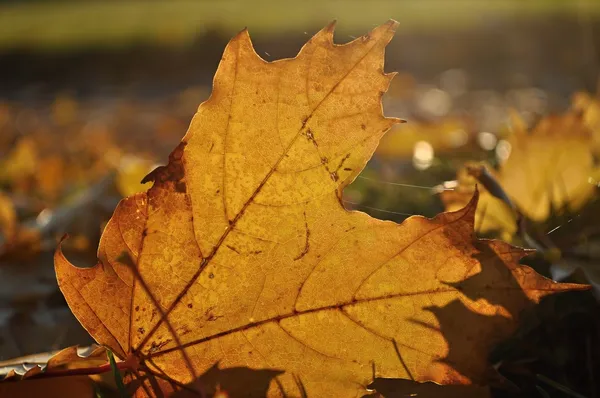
399,388
237,382
470,335
554,348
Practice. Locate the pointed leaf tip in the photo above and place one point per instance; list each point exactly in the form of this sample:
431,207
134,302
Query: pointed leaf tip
330,26
385,31
326,33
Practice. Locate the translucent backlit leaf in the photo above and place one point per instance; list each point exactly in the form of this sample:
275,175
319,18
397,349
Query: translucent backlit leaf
241,255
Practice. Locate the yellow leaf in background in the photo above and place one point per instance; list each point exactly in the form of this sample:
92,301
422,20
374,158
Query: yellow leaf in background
241,255
589,107
549,169
50,176
8,219
64,110
493,216
21,164
16,241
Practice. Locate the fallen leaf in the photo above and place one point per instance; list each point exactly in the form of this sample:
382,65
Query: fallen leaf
548,171
70,358
8,219
30,371
19,167
589,108
494,216
242,254
549,167
50,177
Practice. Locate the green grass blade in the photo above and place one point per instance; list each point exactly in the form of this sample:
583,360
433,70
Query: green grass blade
117,374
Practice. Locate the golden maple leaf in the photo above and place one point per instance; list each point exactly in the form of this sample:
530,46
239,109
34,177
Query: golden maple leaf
242,255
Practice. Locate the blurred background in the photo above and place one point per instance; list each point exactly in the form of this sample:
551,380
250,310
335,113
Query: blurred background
94,95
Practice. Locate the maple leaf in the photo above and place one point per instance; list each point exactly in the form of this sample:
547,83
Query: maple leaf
242,255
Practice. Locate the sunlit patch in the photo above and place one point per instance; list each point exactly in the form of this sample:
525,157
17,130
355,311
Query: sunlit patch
450,184
454,81
503,150
220,393
44,217
487,140
435,102
458,138
423,155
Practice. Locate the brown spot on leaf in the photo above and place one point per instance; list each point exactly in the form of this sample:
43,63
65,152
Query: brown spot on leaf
154,346
233,249
180,187
184,330
342,162
310,136
212,317
306,241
